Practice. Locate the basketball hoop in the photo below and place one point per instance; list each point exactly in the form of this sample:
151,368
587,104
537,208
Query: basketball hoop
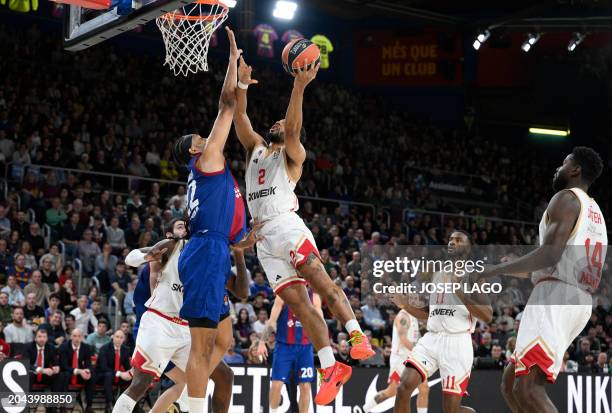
187,32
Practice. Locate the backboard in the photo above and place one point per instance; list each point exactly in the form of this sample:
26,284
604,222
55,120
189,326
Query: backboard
84,28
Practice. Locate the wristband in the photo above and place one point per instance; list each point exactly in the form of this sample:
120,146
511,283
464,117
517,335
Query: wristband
242,86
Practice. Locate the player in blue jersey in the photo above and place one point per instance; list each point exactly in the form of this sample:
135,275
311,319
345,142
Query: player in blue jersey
293,353
216,215
238,284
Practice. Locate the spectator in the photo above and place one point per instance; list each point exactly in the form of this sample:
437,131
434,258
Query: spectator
55,330
18,331
55,216
19,270
354,266
96,308
5,348
587,364
5,223
584,347
115,236
55,257
21,224
35,239
67,295
177,209
260,325
70,323
120,281
38,288
5,309
49,277
16,297
105,267
259,285
484,349
132,235
232,357
30,260
128,302
372,316
54,303
84,317
129,337
75,367
99,339
243,328
88,251
44,361
113,367
71,235
66,274
6,260
343,354
92,294
33,313
602,367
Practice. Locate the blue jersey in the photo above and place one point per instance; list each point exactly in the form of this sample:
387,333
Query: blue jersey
142,293
289,329
214,203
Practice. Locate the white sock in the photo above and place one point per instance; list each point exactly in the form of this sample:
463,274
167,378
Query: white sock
124,404
196,404
273,410
183,400
326,357
421,409
352,325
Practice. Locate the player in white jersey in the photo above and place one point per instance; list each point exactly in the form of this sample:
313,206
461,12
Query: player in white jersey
164,337
447,346
404,337
566,269
288,254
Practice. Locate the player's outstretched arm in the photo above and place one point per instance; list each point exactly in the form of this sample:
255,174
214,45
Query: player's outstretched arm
212,158
158,252
293,119
402,323
563,211
244,130
478,304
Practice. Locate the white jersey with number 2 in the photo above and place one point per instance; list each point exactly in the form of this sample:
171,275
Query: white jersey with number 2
583,257
269,188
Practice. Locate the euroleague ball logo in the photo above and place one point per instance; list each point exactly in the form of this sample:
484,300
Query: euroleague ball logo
299,46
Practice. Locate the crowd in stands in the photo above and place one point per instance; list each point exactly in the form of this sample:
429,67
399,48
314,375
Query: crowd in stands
119,115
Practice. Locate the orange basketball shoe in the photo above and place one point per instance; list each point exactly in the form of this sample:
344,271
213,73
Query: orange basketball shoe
360,346
332,378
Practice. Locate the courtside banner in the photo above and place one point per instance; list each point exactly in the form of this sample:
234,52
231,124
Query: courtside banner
571,393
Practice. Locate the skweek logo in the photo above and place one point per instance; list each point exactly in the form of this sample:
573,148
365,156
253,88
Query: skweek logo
262,193
388,404
15,380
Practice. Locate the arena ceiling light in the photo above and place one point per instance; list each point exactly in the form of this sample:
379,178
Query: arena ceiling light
284,10
230,3
549,132
532,39
480,39
576,40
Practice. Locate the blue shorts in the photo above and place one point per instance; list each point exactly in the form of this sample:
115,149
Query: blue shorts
293,361
204,268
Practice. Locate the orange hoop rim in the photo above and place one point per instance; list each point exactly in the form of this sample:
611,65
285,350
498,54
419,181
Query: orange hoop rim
178,14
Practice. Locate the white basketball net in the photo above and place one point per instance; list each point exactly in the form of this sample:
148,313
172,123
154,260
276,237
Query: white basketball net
187,33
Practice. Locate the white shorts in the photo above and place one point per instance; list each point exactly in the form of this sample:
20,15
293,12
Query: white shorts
160,341
396,367
287,244
547,329
451,353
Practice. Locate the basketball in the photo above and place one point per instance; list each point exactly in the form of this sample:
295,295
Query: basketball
299,51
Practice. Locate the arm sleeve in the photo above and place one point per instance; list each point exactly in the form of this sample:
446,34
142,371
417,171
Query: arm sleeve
135,258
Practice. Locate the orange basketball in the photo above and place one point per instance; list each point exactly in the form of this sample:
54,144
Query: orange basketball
299,51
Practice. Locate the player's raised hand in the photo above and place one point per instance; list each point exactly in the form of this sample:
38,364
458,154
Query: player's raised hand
249,239
155,254
306,74
262,350
234,51
244,73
